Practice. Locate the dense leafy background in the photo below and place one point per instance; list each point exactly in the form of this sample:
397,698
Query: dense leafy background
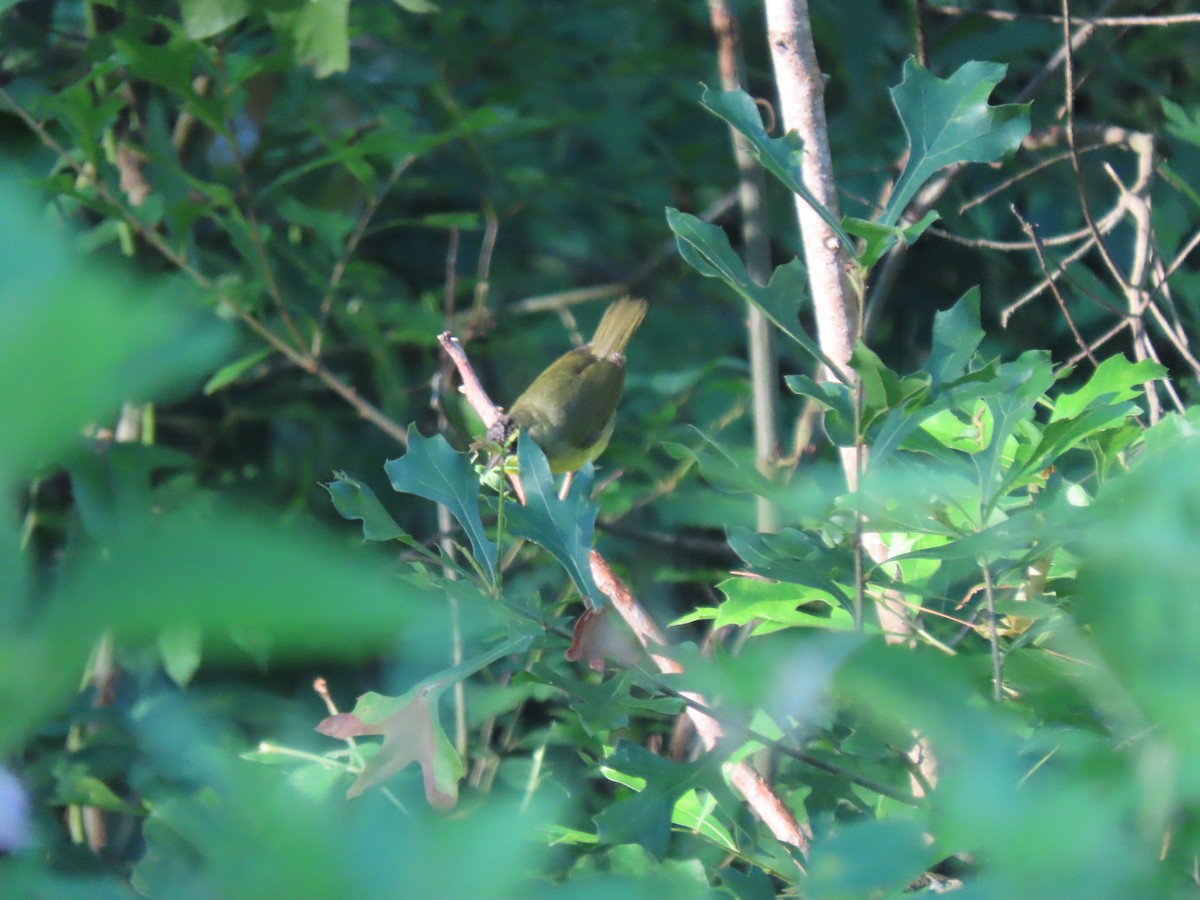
180,180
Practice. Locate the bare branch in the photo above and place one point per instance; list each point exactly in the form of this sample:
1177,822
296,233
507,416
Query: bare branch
339,268
665,253
1062,304
1094,21
762,799
472,387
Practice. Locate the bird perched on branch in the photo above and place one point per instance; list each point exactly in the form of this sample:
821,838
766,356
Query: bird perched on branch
570,409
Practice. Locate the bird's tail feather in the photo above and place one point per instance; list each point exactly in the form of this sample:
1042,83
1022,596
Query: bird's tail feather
620,321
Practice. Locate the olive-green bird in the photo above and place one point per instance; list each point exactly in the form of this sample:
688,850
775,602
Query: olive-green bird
570,409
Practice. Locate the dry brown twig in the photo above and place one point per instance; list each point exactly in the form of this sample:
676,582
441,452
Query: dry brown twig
752,786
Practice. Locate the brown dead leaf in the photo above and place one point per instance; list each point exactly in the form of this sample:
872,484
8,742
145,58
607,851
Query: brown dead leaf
412,733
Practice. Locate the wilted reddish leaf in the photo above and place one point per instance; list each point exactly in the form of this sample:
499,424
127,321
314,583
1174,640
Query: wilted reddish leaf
346,725
411,733
598,639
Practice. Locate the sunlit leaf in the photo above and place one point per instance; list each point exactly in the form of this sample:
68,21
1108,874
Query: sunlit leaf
230,373
751,599
206,18
180,647
318,32
878,238
1115,379
948,121
645,818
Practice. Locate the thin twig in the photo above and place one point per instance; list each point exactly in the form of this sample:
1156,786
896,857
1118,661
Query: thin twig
1098,342
665,253
1179,259
256,239
1062,303
993,636
1034,292
446,521
1069,106
918,27
483,269
472,387
339,268
1057,240
1095,21
1030,143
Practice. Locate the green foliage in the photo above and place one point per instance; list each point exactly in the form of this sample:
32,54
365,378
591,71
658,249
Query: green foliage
947,122
254,220
56,319
645,818
562,527
706,248
432,470
779,156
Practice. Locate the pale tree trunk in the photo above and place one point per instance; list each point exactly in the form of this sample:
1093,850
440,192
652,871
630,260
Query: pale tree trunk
831,272
836,289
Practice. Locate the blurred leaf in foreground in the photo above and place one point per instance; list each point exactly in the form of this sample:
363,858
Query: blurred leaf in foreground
77,339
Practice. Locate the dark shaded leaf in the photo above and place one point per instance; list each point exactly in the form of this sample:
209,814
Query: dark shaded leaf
865,857
563,528
793,556
779,156
956,337
354,500
706,248
433,470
